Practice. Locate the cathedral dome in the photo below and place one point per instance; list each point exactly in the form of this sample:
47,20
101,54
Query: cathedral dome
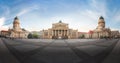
101,20
16,20
101,17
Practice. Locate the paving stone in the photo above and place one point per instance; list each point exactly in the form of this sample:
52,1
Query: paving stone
26,48
92,50
114,56
58,43
5,55
105,43
61,51
57,55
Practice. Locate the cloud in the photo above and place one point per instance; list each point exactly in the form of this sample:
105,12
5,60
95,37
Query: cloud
116,16
66,19
81,19
2,21
83,16
4,28
99,6
22,12
4,10
27,10
88,17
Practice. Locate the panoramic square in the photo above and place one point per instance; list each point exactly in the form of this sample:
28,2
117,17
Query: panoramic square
59,31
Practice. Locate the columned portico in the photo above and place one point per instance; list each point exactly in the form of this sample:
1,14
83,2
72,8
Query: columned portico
60,33
60,30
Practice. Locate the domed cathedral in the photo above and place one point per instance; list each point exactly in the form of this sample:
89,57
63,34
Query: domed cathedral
101,24
60,30
101,31
17,31
16,24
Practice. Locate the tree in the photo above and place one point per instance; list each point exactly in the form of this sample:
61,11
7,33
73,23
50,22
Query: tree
83,36
35,35
30,36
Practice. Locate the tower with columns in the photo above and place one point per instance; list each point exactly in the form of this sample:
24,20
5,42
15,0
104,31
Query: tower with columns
101,23
17,31
16,24
101,31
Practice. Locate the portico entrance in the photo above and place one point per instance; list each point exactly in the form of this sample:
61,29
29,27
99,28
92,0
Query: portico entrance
59,34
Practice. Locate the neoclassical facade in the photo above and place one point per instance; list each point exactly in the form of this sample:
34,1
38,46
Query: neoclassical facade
17,31
60,30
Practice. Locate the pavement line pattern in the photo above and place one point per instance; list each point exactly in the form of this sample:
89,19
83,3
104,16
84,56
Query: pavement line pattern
24,56
92,59
30,53
62,51
100,57
5,55
79,53
114,56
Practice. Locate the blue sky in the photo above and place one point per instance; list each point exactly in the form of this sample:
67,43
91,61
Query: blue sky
79,14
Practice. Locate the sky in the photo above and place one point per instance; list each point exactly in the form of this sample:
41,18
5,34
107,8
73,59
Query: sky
36,15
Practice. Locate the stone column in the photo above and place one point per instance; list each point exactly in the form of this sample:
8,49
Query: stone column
52,33
64,32
58,32
67,32
55,32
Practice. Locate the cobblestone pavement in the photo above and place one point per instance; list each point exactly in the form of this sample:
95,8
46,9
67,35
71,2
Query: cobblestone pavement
59,51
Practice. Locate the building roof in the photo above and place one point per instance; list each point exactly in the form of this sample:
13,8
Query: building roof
101,17
90,32
82,32
16,18
101,20
60,21
4,30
